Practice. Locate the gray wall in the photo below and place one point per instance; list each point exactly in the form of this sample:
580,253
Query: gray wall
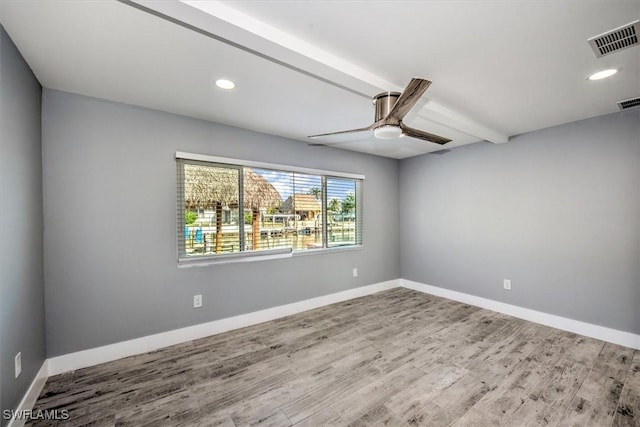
109,241
557,211
21,283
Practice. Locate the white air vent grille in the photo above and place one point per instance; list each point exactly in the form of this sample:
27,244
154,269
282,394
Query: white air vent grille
629,103
616,39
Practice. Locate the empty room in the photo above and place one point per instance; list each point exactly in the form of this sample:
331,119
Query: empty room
319,213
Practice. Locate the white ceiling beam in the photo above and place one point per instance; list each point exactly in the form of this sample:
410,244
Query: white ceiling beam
216,19
440,114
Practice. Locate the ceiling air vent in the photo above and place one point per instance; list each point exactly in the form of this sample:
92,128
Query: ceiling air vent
616,39
629,103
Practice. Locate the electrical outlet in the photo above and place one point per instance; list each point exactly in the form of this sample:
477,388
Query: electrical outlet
18,364
355,271
507,284
197,301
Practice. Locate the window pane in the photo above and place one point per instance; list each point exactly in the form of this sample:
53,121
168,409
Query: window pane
305,204
263,215
211,210
341,212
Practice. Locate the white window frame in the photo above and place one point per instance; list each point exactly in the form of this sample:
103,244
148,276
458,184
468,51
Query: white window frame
245,256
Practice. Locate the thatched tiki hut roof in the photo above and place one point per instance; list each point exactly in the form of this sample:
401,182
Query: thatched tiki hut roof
206,186
210,186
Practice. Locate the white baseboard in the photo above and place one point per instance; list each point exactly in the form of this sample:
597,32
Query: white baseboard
615,336
31,396
108,353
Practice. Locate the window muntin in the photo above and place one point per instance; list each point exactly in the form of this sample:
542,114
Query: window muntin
282,211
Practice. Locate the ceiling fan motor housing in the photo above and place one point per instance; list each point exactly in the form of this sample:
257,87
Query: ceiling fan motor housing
384,102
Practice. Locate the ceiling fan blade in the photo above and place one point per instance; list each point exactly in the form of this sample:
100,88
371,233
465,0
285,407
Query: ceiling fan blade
341,132
328,144
426,136
325,144
408,99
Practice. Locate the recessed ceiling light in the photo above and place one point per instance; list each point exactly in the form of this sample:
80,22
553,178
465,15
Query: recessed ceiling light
225,84
603,74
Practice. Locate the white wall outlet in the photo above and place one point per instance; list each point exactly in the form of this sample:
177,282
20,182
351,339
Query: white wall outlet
197,301
18,364
507,284
355,271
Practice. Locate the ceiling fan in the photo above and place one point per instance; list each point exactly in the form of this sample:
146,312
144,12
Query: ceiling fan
391,107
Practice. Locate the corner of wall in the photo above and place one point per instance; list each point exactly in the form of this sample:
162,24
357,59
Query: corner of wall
21,263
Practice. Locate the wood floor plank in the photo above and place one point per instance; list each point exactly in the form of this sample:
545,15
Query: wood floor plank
378,416
275,419
550,399
325,417
614,360
437,377
345,383
398,357
533,413
429,414
512,391
583,350
560,385
373,395
477,417
596,402
459,397
628,410
194,415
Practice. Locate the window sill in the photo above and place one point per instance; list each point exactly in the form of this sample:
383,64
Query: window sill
328,250
264,256
204,261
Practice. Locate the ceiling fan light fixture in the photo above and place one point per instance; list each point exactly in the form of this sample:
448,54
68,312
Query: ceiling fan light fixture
387,132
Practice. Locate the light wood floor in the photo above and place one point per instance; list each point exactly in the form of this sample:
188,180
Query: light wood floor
394,358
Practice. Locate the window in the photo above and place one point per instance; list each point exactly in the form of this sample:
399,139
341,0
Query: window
234,209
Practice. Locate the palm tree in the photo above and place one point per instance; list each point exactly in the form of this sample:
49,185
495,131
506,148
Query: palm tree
315,192
349,203
334,205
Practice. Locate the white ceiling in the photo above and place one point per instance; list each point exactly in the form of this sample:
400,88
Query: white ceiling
499,68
